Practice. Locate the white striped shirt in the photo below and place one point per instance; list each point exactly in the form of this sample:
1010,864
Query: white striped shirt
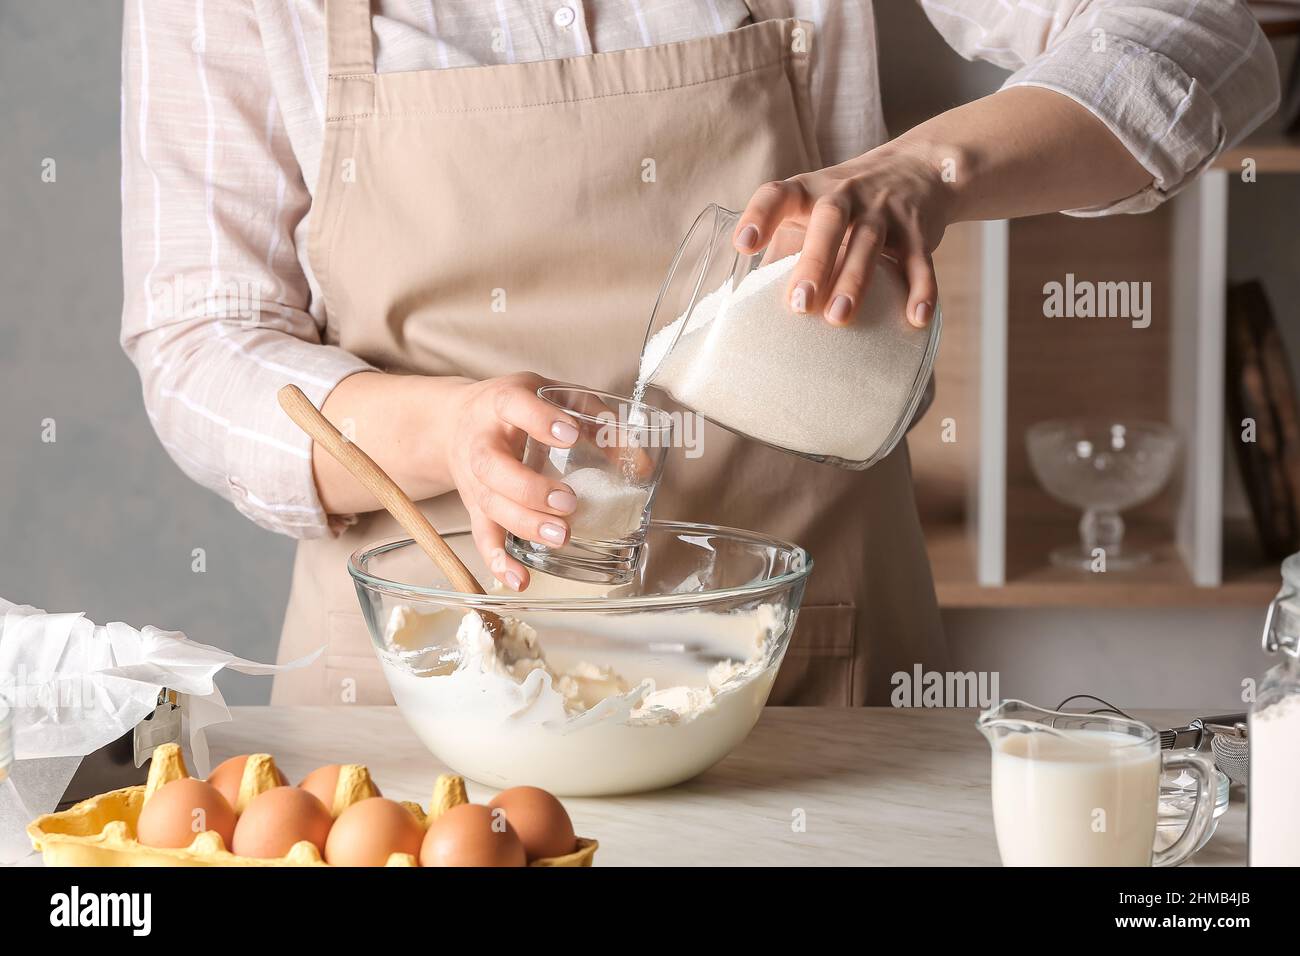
222,119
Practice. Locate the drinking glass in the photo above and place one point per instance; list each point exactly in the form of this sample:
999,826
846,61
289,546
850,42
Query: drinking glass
613,469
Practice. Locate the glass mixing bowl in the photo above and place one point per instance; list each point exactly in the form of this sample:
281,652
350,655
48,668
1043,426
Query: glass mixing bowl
644,685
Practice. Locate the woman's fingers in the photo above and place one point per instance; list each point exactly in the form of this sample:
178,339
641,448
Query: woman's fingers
922,286
518,405
511,478
838,246
787,240
811,280
771,204
855,270
537,526
490,539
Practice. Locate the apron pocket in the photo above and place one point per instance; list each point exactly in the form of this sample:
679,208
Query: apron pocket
818,665
352,672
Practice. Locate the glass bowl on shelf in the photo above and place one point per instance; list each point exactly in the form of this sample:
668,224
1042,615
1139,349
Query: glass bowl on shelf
1102,467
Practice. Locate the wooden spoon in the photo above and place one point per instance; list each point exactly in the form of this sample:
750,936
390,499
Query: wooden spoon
395,501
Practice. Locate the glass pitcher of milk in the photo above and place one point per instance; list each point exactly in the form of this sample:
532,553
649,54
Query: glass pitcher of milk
1083,789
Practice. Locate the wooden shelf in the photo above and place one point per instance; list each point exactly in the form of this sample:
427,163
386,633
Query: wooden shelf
1249,580
1004,364
1271,148
1272,154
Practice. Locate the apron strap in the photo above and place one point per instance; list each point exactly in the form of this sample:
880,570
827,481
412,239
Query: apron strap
350,48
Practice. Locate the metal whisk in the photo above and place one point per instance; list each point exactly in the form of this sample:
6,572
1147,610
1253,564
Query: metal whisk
1231,747
1226,735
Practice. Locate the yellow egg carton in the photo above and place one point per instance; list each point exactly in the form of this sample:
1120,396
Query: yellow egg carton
101,831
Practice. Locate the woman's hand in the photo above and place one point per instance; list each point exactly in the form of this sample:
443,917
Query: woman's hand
435,434
1021,151
490,422
887,200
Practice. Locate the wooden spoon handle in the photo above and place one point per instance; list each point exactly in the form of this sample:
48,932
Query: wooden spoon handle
362,467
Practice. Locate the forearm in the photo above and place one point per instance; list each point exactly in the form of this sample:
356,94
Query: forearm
403,422
1174,82
1020,152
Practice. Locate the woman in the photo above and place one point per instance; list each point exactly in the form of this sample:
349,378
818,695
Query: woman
403,205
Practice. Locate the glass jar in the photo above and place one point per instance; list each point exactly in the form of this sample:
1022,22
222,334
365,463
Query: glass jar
1274,734
723,342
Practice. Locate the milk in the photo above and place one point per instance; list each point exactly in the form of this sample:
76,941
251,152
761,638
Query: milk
1075,798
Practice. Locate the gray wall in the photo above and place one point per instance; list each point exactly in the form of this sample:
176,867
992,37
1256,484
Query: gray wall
101,520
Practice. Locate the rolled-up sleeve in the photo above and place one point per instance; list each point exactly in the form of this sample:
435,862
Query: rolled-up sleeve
1176,81
215,312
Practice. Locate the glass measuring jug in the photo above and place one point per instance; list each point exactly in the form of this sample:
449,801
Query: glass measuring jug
723,341
1075,789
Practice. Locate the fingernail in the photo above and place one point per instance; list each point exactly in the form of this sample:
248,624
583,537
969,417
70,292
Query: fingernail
802,295
748,237
564,433
515,582
562,501
840,308
921,317
498,564
553,533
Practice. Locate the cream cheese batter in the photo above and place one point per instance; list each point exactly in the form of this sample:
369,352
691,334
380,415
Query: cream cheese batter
612,703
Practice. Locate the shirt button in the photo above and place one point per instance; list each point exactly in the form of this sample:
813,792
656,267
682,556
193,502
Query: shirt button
564,17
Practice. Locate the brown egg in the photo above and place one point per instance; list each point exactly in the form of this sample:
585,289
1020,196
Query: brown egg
540,820
228,774
471,835
181,810
277,819
366,833
322,783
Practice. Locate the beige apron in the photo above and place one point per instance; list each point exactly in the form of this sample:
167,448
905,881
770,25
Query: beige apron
561,189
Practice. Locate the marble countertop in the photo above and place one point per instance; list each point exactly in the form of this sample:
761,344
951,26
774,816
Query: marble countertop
870,785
